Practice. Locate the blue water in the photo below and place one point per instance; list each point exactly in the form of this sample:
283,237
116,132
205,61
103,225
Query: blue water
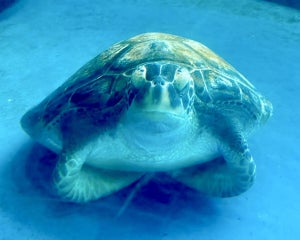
43,42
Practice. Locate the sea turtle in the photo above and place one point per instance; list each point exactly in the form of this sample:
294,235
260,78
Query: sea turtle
153,103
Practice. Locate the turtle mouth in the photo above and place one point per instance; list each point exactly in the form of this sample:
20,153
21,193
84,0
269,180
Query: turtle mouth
156,121
154,130
154,125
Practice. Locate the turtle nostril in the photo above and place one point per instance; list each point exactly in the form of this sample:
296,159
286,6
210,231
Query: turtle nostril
159,81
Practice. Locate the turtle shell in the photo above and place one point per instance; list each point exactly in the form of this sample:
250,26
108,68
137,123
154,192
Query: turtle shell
100,91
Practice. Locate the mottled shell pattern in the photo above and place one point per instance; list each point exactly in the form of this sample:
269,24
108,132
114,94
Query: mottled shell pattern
103,86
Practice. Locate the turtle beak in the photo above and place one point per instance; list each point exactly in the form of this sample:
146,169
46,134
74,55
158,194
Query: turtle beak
159,81
158,89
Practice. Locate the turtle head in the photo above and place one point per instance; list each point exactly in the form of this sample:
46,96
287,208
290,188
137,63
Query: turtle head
162,87
161,105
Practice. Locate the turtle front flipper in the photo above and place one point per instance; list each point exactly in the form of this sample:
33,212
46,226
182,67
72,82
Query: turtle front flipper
228,176
76,182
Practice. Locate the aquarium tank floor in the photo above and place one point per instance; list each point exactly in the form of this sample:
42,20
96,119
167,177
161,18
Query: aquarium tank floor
43,42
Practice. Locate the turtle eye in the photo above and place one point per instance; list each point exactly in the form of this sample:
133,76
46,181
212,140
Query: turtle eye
138,76
141,69
182,78
179,71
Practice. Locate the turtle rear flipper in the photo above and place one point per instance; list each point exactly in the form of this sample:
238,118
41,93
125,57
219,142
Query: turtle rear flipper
228,176
77,182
